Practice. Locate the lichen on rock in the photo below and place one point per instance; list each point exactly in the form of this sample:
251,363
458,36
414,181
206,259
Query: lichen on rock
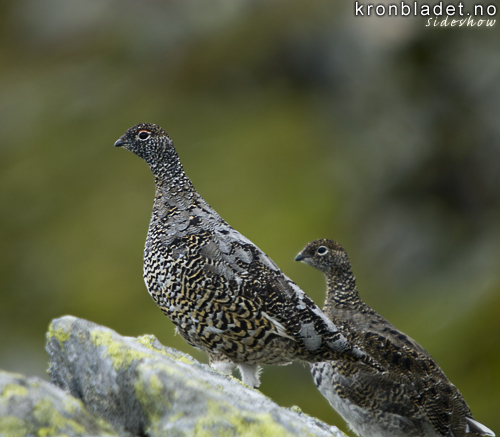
144,388
31,406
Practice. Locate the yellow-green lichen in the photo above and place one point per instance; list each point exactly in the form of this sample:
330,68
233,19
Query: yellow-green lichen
57,424
151,395
13,427
73,406
61,334
227,421
121,355
45,413
148,340
49,432
11,390
151,391
176,417
156,385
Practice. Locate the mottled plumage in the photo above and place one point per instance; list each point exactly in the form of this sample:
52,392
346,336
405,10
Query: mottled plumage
413,397
225,296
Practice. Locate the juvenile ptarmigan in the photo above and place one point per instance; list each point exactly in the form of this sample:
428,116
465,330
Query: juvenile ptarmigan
413,397
225,296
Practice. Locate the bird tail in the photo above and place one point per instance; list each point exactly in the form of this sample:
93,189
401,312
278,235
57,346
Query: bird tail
474,427
339,348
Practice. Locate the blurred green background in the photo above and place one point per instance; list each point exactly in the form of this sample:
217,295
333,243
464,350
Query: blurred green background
295,120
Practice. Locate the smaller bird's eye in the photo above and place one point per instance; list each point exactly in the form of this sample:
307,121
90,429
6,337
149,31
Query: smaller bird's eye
144,134
322,250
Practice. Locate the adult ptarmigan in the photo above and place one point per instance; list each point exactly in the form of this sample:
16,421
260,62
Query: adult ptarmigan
225,296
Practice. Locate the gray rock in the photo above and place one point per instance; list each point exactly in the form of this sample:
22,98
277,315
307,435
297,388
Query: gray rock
33,407
144,388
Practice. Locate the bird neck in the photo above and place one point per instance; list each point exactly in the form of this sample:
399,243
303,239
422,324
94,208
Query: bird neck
173,187
341,291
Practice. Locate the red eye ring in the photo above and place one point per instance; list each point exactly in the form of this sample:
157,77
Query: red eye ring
143,134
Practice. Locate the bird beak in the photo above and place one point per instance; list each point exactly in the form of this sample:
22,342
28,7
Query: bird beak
300,257
120,142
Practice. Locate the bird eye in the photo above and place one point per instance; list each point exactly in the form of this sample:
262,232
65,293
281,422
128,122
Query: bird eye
322,250
143,134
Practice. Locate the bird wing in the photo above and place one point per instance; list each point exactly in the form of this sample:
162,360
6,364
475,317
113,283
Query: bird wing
257,277
425,384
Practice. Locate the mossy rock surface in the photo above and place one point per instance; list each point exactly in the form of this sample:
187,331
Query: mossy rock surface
33,407
144,388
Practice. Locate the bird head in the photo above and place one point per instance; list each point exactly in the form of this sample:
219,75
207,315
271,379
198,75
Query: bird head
146,140
325,255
